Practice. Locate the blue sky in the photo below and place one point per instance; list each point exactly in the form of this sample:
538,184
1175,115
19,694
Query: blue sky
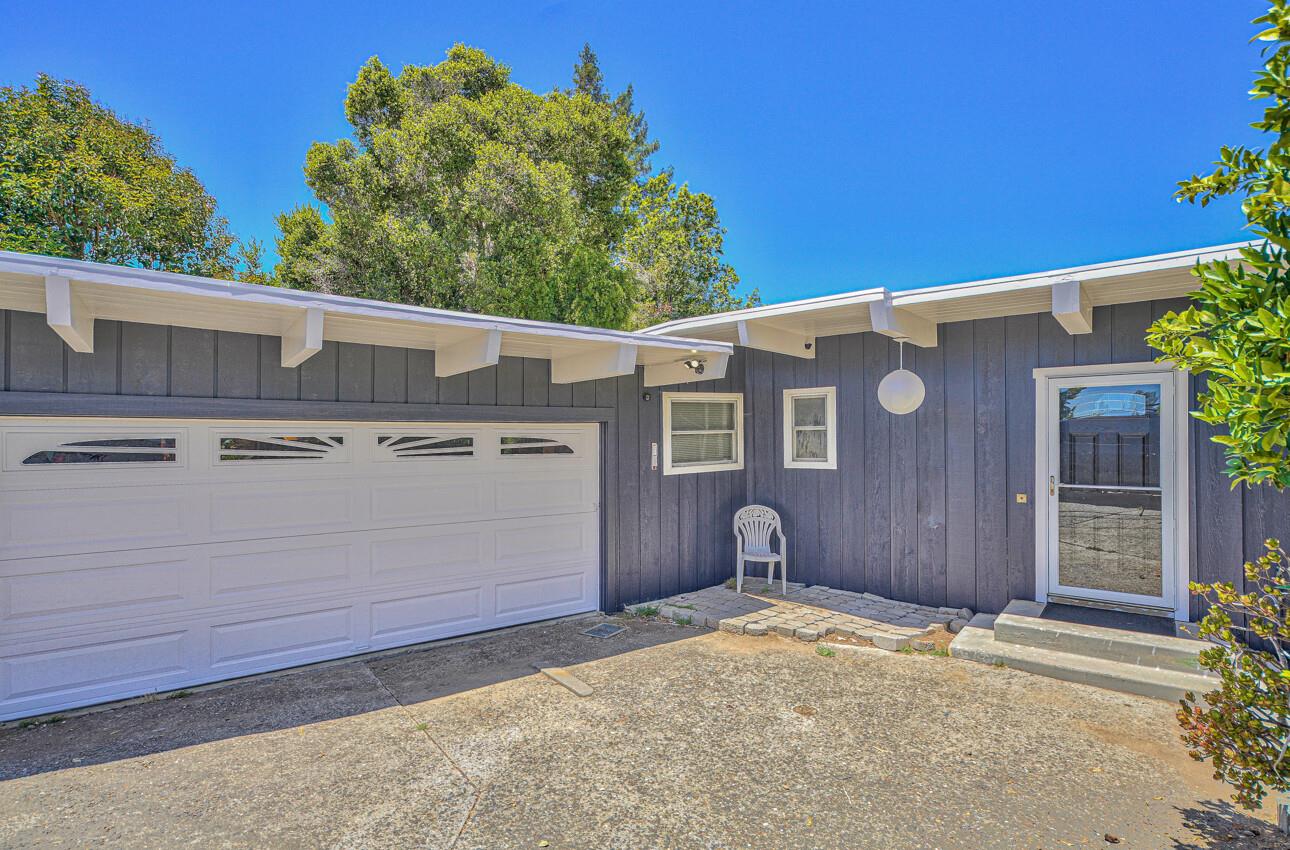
847,145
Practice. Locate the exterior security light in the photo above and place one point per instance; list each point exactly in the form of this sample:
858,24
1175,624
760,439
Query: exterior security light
695,365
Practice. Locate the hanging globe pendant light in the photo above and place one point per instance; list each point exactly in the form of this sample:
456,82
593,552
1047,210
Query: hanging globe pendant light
901,391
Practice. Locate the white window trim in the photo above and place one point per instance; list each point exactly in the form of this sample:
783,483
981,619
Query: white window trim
738,441
830,426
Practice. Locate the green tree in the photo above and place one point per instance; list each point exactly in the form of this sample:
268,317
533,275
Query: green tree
1236,333
463,190
77,181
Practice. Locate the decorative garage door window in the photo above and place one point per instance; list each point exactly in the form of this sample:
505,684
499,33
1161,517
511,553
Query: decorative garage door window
243,448
108,450
535,446
400,446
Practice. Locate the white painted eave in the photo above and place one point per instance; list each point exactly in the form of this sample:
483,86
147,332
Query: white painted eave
913,313
117,293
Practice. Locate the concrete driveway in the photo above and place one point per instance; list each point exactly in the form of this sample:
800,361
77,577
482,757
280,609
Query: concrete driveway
691,739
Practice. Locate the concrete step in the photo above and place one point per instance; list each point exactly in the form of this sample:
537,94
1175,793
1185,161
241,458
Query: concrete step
1020,624
978,643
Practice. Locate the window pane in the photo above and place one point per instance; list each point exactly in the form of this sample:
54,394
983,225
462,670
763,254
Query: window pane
1110,539
702,448
1110,436
703,415
810,445
809,410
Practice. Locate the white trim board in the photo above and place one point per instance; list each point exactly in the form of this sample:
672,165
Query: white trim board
1180,467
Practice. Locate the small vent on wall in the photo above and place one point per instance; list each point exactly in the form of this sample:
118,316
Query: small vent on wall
390,446
535,446
108,450
237,449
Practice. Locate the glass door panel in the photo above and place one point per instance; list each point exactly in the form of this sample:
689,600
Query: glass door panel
1108,494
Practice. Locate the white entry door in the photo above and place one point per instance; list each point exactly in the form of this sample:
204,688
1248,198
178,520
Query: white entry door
144,555
1112,444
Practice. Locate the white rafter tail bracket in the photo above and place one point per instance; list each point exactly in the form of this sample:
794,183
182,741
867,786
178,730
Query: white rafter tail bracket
608,361
302,337
67,315
480,349
710,368
1071,307
899,323
769,338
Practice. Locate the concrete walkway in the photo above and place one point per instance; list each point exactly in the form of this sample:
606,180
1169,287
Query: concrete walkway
689,739
805,613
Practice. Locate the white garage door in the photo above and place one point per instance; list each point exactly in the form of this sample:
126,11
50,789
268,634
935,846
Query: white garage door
144,555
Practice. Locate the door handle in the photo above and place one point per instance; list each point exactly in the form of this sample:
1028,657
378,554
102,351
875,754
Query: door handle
1052,485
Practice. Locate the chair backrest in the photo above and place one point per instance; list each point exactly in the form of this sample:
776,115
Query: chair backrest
755,524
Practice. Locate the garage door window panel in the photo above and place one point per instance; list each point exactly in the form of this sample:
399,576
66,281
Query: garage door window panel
530,445
404,446
243,448
108,450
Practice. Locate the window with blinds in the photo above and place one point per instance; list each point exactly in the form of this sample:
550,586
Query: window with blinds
703,432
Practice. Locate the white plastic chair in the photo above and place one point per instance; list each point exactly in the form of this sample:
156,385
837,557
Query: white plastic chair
753,528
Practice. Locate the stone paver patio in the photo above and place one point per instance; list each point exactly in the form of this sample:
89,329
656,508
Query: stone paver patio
805,613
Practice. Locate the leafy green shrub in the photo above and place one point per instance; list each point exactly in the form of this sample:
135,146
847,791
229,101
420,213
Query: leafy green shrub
1243,726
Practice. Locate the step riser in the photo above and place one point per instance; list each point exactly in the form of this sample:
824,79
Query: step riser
1042,635
977,644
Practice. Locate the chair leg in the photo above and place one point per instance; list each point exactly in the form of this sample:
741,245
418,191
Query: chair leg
739,574
770,574
783,569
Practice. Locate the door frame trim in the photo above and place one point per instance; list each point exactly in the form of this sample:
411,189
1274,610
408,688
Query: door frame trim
1181,463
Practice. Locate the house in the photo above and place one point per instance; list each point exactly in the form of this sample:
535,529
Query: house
203,479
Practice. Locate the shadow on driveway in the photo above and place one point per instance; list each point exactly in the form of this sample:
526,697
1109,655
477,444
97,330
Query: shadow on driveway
316,693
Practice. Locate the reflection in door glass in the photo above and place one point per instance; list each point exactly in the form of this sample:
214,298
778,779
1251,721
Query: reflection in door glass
1108,489
1109,540
1110,436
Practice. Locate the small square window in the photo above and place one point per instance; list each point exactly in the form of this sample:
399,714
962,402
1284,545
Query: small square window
703,432
810,428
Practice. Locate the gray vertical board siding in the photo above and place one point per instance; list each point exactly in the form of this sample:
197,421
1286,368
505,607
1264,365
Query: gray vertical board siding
455,389
96,372
960,465
354,378
561,395
510,380
649,420
537,379
4,349
930,419
277,382
904,492
192,362
423,386
852,398
237,365
36,355
629,475
991,465
390,374
876,363
1022,343
584,393
806,492
828,368
144,367
482,384
318,374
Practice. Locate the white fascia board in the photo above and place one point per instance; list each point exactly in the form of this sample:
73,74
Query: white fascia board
608,361
699,324
1071,306
476,351
302,337
152,281
901,323
663,374
769,338
67,315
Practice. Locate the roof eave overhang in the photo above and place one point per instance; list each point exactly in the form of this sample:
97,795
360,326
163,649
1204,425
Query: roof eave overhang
74,294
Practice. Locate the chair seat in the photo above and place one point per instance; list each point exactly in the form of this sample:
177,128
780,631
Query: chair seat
760,555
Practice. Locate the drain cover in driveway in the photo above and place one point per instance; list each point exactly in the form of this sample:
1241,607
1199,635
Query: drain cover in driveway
604,630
